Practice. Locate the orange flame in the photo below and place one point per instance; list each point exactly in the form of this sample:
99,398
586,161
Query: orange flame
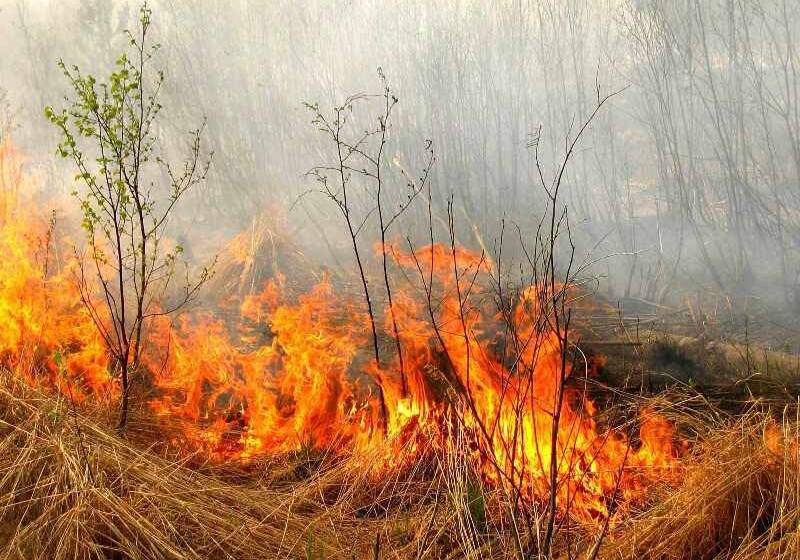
47,336
286,373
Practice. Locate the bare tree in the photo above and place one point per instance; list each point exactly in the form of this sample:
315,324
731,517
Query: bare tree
361,154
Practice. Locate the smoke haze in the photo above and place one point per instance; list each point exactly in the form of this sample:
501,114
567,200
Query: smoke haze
686,181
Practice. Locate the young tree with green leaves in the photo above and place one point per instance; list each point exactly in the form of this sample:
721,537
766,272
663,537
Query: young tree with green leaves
127,192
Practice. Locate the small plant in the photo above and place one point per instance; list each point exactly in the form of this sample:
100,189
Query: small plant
477,506
311,551
127,194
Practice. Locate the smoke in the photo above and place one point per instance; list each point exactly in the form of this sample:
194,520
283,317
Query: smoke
686,181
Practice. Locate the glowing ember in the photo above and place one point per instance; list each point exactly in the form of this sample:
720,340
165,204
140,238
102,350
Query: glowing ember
299,372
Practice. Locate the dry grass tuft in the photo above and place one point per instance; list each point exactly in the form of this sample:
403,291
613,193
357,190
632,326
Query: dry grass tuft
73,489
740,499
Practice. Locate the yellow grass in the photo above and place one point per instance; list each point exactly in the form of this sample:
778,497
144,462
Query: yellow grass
71,488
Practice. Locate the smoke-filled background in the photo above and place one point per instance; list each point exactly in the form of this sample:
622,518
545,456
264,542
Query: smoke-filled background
685,187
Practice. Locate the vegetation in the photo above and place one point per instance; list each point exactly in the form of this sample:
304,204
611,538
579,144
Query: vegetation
109,131
737,497
440,396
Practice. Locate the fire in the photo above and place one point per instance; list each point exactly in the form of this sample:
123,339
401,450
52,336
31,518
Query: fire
295,371
300,374
284,392
47,336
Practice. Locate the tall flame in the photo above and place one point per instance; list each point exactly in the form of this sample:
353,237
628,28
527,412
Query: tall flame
47,336
290,372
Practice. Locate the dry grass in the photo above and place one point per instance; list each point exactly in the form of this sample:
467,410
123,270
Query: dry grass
72,493
739,499
71,488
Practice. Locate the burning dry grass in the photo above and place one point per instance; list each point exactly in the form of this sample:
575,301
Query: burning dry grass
71,488
291,372
739,498
309,463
